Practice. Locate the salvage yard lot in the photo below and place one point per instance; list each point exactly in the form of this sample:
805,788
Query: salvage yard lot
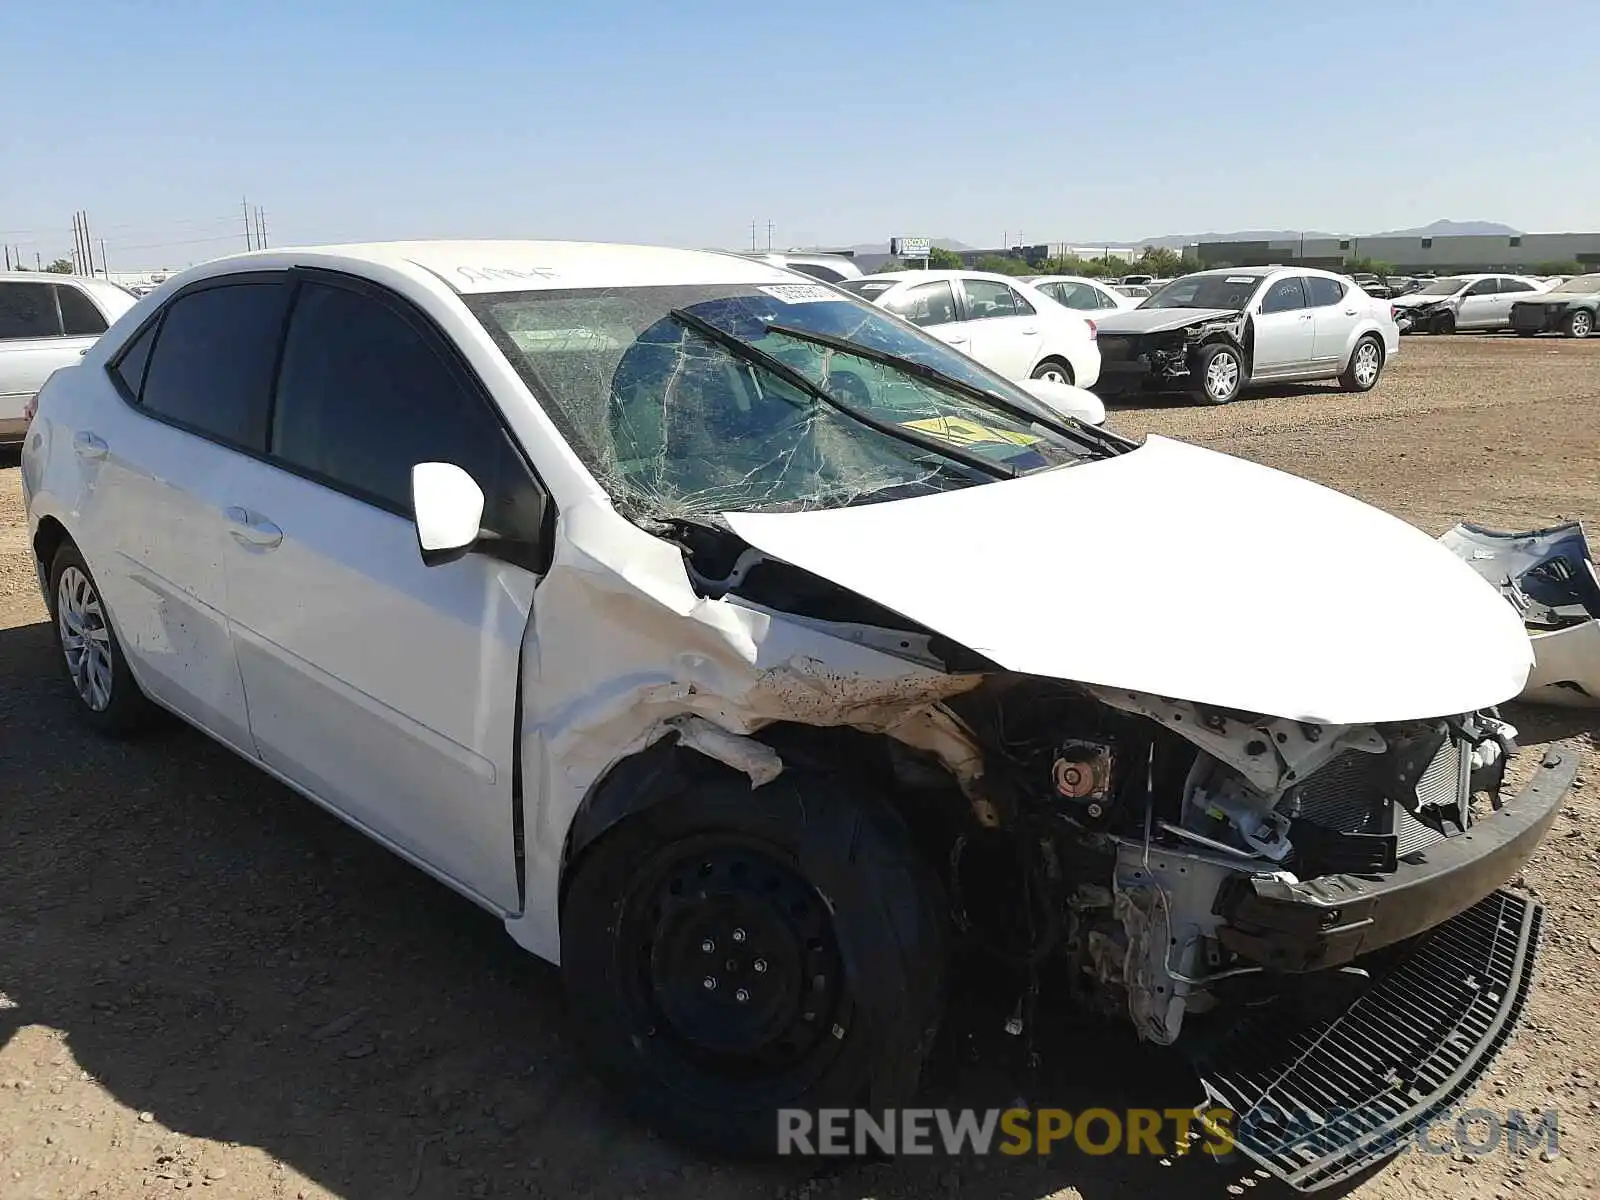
207,983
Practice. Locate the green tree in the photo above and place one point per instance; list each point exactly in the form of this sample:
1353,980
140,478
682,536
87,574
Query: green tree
940,259
1559,268
61,266
1001,264
887,265
1159,261
1370,265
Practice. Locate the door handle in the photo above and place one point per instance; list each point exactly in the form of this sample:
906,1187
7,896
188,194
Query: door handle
1351,312
955,341
1030,332
89,445
252,529
1308,316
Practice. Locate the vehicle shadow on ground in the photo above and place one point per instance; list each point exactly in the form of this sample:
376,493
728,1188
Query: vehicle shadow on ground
223,956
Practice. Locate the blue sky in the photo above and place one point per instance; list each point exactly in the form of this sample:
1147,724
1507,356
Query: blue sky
839,122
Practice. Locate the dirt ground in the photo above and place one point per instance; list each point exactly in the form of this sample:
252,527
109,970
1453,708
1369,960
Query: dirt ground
207,983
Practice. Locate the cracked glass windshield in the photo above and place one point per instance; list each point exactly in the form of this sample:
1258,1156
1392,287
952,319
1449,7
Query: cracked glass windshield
690,400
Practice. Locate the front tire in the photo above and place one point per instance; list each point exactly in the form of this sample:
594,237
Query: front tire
731,952
1365,365
1444,322
1580,324
109,700
1056,370
1219,370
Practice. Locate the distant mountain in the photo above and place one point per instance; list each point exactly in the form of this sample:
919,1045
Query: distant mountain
1454,229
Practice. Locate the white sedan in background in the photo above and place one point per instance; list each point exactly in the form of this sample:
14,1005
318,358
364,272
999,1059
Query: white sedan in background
1081,294
1002,322
1464,302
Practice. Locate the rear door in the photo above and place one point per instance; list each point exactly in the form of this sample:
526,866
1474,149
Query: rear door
1005,329
382,686
158,467
932,306
1285,329
1511,291
1336,311
1480,304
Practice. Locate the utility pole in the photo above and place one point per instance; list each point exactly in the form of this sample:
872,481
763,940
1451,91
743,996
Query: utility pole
105,267
8,258
88,241
261,228
769,236
248,240
752,235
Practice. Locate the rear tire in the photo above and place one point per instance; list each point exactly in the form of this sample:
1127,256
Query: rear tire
1580,324
109,700
1365,366
1055,369
730,952
1444,322
1219,374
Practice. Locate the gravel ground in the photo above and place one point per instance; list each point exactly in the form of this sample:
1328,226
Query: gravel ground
207,983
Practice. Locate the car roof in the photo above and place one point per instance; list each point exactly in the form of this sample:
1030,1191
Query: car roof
1036,279
930,276
480,266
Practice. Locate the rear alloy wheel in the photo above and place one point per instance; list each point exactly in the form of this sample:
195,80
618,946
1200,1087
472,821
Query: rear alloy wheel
1054,370
729,953
1580,323
1219,371
1366,364
108,698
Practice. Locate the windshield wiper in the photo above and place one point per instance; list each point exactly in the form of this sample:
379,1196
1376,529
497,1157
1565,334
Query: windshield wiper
743,349
1103,439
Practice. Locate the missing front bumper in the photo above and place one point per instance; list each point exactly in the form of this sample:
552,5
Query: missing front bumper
1315,1102
1328,921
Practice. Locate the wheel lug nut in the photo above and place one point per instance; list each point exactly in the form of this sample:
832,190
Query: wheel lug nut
741,996
760,965
710,984
708,946
738,935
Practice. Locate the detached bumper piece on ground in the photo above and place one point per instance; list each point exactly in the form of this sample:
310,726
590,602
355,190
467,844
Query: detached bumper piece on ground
1549,577
1319,1098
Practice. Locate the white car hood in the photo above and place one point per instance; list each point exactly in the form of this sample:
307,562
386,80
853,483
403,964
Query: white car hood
1413,300
1185,573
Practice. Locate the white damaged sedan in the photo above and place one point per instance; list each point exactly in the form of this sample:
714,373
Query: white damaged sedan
762,660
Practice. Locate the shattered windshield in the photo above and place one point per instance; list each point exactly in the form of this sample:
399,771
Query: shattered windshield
1206,291
1442,287
1580,284
687,401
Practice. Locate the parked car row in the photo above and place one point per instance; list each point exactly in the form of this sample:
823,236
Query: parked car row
1477,301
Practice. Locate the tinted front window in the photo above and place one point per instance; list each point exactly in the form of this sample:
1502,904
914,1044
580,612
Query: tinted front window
925,304
1284,296
1442,287
363,396
1230,292
211,368
1515,285
1484,287
79,316
675,423
1323,292
28,310
1076,295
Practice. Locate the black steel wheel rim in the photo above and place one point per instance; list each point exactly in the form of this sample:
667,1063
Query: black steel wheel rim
730,959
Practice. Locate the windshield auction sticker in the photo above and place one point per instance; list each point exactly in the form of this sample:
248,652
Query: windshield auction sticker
801,293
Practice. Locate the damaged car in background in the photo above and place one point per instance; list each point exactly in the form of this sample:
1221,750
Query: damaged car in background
772,667
1549,578
1571,307
1215,333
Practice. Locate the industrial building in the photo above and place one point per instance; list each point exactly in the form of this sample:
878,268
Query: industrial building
1412,254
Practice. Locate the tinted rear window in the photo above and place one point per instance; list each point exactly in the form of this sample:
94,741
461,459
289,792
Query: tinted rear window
211,369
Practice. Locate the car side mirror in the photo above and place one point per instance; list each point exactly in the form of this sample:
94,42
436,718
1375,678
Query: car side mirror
447,506
1066,400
